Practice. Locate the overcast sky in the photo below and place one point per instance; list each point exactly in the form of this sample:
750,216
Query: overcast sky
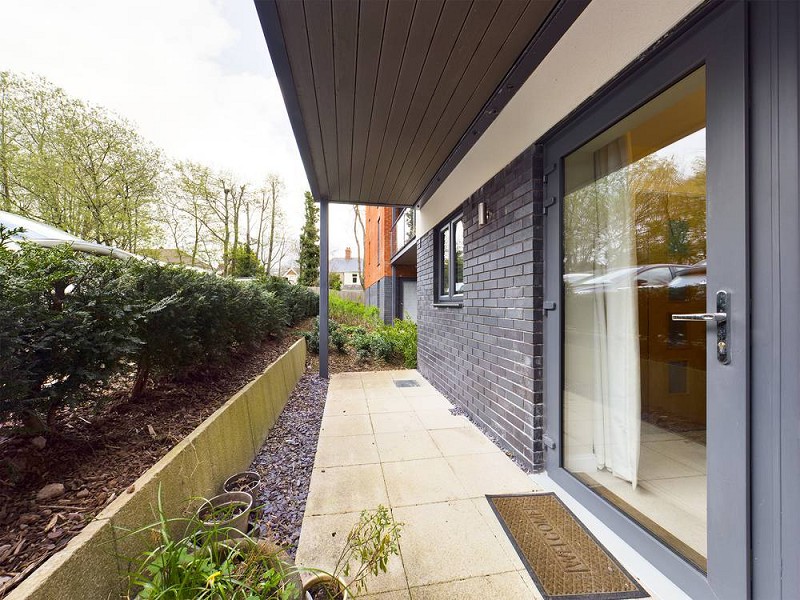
194,76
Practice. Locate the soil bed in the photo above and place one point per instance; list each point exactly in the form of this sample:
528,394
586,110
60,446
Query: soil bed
345,362
93,457
285,462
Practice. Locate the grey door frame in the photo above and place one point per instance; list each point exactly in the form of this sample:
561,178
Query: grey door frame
775,246
719,40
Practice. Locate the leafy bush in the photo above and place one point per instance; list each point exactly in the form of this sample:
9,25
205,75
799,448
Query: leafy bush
403,337
335,281
69,322
337,337
192,318
387,343
301,302
66,324
348,312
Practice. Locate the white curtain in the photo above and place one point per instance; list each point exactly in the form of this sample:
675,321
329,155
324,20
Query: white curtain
616,386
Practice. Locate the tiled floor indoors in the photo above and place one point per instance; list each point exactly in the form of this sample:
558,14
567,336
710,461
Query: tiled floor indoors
401,447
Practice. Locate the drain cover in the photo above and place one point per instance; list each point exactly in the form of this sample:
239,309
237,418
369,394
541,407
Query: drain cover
406,383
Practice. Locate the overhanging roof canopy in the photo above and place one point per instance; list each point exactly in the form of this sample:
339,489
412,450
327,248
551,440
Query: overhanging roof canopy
386,96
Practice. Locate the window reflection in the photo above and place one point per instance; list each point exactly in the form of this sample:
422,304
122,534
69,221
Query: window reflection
459,256
634,393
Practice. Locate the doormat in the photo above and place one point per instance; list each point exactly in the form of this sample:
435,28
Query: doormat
563,558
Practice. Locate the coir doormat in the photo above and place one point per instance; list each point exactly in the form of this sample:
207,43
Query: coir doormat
563,558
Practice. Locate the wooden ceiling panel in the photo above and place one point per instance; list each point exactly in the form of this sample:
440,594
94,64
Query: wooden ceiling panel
319,27
496,53
345,21
293,24
381,93
395,36
465,56
445,38
372,17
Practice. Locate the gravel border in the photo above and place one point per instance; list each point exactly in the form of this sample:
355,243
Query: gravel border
285,462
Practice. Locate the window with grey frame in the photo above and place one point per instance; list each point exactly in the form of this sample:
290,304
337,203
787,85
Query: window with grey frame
450,261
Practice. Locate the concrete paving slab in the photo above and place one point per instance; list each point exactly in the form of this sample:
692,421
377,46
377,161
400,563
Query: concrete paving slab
388,404
499,586
421,481
402,421
446,541
340,425
346,489
346,450
432,469
406,445
463,440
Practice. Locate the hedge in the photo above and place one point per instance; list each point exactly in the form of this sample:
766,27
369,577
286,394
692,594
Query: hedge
70,322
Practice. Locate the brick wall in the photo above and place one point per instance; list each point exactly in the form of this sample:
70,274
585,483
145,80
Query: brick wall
486,355
380,294
378,261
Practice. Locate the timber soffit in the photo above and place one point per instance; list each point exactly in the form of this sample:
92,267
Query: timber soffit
385,97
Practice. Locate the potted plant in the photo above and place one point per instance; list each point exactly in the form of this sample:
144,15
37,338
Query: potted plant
372,541
226,515
208,566
246,481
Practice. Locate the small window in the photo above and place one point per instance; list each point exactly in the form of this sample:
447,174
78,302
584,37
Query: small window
450,260
355,277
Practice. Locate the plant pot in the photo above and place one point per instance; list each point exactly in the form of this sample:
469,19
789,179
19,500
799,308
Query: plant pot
246,481
278,560
226,515
336,588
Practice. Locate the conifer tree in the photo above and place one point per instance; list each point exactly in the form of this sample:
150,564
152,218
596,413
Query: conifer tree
309,245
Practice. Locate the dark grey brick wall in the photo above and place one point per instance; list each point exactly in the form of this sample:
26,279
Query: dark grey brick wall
487,355
380,294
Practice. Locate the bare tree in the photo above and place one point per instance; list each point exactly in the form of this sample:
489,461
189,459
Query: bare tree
359,223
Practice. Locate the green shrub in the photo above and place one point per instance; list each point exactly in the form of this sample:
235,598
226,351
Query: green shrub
66,324
403,337
301,302
387,343
69,322
337,337
192,319
348,312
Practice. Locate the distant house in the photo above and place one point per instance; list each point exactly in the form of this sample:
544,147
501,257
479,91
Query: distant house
291,276
349,268
175,256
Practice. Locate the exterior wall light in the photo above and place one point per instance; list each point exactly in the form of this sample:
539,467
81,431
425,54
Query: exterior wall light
484,215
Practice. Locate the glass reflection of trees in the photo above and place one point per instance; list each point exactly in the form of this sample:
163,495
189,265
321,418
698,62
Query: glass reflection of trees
669,216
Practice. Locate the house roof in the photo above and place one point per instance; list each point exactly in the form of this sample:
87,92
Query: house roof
176,256
386,97
344,265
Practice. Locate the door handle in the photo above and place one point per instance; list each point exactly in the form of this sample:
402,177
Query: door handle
720,318
716,317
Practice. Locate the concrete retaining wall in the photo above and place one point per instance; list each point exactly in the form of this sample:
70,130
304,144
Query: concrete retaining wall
94,563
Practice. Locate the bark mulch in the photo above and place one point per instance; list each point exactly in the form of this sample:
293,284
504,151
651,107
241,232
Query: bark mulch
52,485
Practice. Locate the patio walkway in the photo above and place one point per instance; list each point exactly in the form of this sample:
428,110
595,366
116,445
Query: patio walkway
401,447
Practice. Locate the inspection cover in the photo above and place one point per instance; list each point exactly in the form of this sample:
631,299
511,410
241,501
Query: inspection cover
406,383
